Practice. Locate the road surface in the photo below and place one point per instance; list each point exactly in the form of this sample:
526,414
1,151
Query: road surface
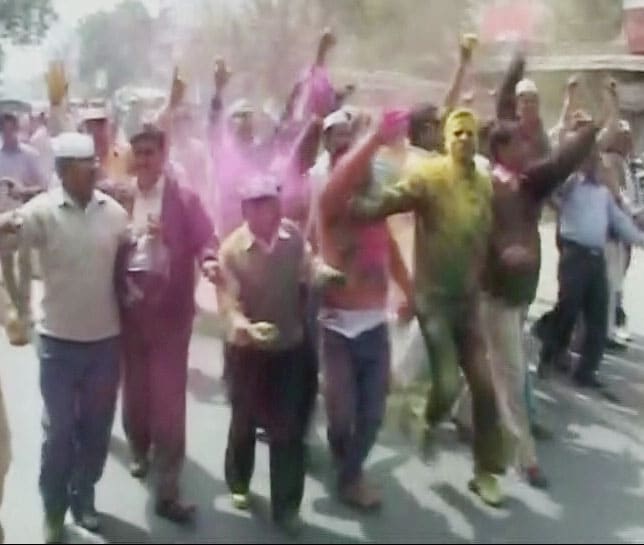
595,464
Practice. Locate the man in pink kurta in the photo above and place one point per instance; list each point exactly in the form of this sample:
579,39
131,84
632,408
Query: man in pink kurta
157,329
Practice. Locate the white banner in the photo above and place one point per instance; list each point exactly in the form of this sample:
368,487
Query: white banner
633,4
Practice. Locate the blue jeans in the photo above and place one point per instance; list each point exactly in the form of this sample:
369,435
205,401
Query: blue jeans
79,384
356,385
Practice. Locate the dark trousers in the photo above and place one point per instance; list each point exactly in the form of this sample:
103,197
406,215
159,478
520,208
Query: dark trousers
79,384
268,390
356,384
155,379
583,290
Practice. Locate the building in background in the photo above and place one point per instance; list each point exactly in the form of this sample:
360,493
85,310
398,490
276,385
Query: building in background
552,61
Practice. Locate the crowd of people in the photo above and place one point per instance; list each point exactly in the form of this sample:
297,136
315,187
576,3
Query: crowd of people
291,227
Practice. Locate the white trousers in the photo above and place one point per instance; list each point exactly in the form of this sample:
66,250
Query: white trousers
616,256
503,329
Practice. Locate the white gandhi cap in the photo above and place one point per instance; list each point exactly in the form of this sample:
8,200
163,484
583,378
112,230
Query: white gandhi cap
526,87
260,186
73,145
624,126
339,117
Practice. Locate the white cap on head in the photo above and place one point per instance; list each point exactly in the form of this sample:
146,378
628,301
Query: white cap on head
260,186
73,145
95,113
240,107
624,126
526,87
339,117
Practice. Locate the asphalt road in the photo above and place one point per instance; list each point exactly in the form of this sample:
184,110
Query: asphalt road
595,465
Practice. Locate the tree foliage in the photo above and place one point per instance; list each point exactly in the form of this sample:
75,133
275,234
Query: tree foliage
25,21
272,40
117,43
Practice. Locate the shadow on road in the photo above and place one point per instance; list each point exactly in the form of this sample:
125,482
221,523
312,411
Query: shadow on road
206,388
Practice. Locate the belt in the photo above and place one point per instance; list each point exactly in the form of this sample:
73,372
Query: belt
595,252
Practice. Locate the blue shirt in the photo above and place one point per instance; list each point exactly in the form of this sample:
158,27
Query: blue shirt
588,210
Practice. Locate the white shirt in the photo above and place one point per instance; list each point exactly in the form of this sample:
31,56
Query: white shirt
147,203
77,249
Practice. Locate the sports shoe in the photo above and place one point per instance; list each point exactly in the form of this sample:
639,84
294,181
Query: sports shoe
536,478
361,495
241,502
486,486
175,511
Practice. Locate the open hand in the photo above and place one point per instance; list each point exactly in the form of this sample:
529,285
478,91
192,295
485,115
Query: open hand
57,85
467,46
328,276
328,40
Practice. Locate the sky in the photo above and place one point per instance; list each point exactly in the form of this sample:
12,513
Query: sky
25,63
70,11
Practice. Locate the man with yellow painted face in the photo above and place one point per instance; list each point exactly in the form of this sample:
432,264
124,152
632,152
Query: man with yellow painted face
451,200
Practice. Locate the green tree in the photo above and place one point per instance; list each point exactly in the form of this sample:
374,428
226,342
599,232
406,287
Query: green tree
24,21
271,40
116,43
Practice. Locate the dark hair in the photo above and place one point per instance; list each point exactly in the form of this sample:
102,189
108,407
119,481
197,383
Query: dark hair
418,119
151,134
501,135
8,116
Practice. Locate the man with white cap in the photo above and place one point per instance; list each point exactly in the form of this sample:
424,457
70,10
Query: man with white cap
337,136
77,232
518,99
264,264
115,158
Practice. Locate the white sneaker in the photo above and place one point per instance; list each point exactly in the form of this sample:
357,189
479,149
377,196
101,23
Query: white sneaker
623,335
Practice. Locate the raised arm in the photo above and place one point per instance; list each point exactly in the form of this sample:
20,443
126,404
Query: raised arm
303,153
216,115
610,110
545,175
506,106
570,105
352,172
175,98
327,42
59,120
467,44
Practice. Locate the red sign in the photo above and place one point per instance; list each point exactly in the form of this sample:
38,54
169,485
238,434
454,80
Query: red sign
634,25
515,21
